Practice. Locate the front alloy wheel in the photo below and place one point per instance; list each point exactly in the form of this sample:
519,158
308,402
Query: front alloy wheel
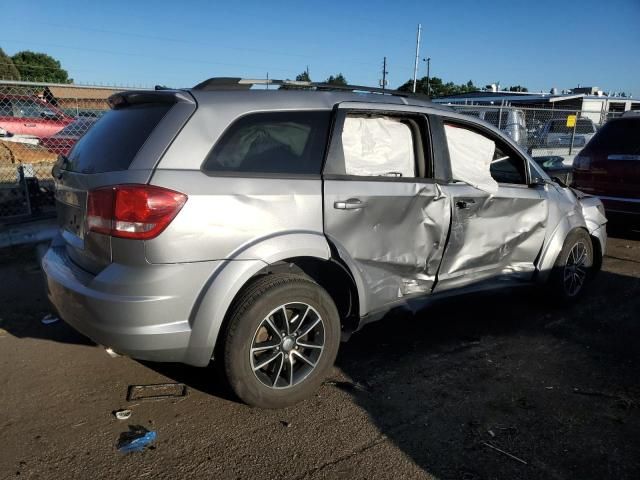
575,269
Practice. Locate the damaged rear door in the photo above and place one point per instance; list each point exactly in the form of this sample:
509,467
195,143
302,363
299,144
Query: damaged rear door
498,217
382,211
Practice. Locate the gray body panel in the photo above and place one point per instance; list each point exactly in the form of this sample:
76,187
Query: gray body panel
166,299
394,243
493,235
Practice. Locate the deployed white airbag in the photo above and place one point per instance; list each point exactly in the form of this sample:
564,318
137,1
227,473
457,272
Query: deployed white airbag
375,146
471,155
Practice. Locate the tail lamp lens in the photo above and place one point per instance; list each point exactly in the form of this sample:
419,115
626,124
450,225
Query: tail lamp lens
139,212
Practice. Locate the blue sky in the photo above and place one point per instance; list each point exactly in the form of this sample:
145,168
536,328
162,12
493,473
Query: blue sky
539,44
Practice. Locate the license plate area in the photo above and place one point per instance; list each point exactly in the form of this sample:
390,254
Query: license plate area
71,207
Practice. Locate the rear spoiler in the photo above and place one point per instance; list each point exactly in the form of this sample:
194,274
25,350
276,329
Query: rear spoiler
124,99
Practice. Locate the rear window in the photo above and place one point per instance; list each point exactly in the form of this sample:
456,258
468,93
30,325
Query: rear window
272,142
114,140
618,136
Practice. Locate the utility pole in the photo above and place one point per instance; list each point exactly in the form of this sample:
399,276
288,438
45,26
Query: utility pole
428,60
415,66
384,73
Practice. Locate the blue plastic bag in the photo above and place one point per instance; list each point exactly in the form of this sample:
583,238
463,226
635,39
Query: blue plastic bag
136,439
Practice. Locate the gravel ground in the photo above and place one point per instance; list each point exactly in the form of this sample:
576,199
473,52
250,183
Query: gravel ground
485,387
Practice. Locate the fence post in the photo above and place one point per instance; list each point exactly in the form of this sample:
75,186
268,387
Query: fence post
23,182
573,134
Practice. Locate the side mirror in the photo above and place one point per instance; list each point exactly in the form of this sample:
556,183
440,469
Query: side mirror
537,182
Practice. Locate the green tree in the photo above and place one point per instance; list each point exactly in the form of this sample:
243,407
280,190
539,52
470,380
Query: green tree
337,80
40,66
518,88
8,70
303,77
437,87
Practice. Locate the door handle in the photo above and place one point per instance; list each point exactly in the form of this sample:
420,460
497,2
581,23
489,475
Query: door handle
351,204
465,203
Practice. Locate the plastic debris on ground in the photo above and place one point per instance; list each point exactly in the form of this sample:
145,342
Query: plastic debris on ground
158,391
49,318
122,414
136,439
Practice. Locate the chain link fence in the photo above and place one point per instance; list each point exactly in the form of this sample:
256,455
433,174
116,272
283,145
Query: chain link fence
543,132
39,122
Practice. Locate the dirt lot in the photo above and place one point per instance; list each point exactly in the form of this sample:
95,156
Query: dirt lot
423,397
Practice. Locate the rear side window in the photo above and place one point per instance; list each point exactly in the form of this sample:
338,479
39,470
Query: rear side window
273,143
113,142
618,136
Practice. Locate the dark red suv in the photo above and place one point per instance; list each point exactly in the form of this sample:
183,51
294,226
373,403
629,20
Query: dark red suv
28,115
609,167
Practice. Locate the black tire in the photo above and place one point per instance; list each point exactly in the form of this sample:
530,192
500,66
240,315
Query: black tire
563,284
247,320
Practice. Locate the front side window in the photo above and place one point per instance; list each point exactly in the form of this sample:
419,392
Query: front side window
482,160
272,143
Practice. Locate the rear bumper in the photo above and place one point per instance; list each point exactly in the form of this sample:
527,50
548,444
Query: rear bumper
139,311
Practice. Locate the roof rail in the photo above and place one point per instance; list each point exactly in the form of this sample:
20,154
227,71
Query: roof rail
237,83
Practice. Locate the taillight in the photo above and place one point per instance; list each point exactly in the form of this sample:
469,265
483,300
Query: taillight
582,162
132,211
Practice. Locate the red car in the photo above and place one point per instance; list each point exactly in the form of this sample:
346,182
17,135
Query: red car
28,115
609,167
66,138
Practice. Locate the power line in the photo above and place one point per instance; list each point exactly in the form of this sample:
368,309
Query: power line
183,41
147,55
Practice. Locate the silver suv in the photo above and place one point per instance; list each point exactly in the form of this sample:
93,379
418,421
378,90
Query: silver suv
258,228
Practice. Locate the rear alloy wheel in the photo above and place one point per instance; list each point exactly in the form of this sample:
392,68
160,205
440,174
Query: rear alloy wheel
574,267
287,345
281,340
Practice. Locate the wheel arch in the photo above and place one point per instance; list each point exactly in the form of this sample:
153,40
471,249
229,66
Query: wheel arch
308,253
555,243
